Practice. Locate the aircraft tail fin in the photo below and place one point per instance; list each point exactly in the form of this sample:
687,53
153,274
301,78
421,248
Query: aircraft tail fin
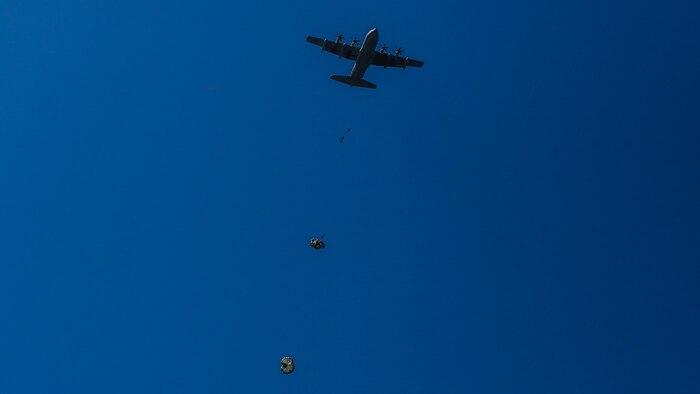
353,81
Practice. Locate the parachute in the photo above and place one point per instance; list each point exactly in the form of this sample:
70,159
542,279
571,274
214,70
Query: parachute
287,365
343,136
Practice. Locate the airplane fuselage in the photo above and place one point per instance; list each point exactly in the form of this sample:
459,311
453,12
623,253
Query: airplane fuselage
364,58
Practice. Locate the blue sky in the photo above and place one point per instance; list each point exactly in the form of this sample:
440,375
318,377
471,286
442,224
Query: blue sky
518,216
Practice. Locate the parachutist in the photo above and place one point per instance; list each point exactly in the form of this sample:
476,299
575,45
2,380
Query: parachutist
317,243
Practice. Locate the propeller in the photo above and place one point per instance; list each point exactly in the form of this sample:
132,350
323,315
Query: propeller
338,38
384,48
399,51
354,42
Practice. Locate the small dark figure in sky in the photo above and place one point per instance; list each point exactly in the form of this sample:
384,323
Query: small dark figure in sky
343,136
287,366
317,243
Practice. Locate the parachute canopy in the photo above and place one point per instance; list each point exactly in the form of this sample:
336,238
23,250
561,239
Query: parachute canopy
287,365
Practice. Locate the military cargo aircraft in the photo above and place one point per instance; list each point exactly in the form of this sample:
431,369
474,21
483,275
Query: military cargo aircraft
364,56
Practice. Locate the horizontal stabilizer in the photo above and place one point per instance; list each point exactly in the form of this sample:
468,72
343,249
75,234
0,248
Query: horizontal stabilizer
353,81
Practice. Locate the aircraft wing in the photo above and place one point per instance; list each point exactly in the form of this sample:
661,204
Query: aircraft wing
340,49
389,60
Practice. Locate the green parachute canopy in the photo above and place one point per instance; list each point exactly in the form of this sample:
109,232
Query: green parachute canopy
287,365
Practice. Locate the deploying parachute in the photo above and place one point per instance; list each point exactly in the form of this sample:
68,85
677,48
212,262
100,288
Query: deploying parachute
343,136
287,365
317,243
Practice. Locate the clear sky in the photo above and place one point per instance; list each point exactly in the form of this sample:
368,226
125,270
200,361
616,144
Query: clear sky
521,215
